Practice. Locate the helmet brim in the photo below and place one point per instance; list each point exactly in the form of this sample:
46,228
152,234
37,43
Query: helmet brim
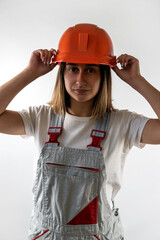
106,60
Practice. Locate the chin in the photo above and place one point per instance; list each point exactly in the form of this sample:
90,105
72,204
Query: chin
83,100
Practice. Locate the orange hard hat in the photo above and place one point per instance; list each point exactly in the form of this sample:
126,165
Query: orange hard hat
85,43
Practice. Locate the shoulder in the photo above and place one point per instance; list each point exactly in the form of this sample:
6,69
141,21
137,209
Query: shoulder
40,110
126,118
120,115
125,114
35,114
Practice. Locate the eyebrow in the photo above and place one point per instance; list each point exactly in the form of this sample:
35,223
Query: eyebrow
76,64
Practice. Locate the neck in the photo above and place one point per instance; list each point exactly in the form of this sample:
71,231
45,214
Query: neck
81,109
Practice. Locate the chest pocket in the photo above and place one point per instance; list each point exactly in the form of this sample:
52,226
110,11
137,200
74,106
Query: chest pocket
69,191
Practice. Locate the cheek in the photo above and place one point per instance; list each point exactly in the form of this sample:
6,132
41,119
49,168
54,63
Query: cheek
67,85
97,86
65,80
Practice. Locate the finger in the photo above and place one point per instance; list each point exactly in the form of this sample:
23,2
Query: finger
49,55
121,60
37,53
125,60
41,54
54,52
119,63
52,65
46,56
116,69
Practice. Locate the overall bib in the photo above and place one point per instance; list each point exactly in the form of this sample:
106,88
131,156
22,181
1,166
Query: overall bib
70,201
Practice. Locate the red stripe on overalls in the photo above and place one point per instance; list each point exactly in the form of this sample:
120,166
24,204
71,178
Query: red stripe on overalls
88,215
41,235
62,165
96,237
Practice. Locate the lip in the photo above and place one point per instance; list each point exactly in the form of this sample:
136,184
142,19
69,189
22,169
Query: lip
80,91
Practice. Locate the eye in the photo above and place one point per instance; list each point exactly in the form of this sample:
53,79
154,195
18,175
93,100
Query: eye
90,70
73,69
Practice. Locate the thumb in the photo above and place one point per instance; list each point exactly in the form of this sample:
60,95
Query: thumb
116,69
52,65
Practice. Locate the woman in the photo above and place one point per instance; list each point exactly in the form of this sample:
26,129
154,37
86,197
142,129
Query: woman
79,170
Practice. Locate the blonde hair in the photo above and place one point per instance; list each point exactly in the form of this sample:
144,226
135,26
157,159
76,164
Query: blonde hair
60,100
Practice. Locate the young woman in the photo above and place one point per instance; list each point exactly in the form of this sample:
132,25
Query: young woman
81,139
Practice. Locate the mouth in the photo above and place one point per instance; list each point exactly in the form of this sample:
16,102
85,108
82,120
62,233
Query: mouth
80,91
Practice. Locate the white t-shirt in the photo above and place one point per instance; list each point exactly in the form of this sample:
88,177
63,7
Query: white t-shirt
124,131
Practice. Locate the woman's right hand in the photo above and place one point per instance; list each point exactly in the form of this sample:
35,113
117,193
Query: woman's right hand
41,61
39,64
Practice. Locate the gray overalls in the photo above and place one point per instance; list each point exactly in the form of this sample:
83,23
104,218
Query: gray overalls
70,201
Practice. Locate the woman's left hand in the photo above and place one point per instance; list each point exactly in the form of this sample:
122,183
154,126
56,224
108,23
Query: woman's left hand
130,71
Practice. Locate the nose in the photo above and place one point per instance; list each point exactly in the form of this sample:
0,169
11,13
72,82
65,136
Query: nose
80,80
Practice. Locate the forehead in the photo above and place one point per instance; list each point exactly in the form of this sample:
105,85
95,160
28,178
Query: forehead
82,65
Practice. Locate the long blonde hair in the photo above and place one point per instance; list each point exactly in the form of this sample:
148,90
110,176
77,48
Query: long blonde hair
60,100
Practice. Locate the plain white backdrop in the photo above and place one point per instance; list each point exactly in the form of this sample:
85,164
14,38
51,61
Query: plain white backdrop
134,27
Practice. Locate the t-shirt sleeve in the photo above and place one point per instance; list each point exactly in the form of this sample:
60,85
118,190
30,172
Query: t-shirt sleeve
28,117
135,124
32,118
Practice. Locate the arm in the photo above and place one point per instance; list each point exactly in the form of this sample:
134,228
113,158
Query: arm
39,64
130,73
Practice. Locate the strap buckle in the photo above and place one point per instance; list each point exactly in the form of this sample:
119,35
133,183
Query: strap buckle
97,137
54,133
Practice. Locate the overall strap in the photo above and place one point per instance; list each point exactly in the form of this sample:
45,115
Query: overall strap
55,129
56,120
99,133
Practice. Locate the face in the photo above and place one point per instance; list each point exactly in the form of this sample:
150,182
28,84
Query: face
82,81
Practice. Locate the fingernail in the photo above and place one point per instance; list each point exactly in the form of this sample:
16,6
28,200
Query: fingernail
53,57
44,60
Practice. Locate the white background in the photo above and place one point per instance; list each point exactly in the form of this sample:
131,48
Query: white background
134,27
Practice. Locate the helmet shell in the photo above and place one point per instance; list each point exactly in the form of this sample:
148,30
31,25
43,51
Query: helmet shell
85,43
